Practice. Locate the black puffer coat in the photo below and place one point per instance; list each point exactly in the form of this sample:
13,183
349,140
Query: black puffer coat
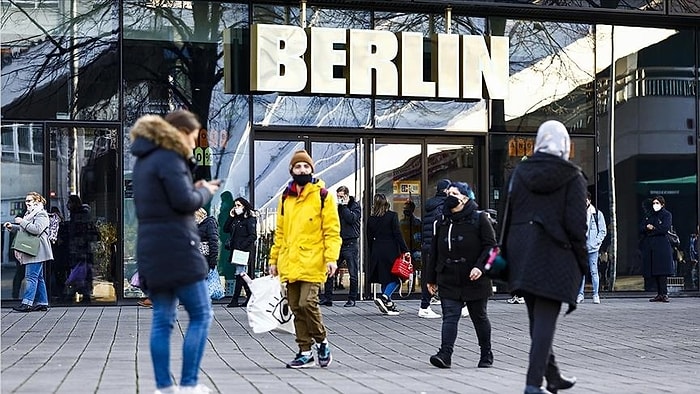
657,254
433,211
209,232
545,245
167,247
461,243
243,235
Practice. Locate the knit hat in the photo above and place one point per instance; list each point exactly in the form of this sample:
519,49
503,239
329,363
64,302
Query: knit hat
443,184
299,157
552,138
464,189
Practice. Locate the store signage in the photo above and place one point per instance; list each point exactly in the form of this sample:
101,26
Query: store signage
376,63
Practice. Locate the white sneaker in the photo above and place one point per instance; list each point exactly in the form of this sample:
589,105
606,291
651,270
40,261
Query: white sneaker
465,312
168,390
427,313
198,389
579,298
596,299
434,301
516,300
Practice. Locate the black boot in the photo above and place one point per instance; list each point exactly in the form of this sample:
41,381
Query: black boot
23,308
236,292
486,360
555,380
442,359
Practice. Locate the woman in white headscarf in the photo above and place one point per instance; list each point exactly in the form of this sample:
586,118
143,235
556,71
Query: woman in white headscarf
545,246
34,222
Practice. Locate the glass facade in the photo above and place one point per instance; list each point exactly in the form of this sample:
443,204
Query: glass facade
76,75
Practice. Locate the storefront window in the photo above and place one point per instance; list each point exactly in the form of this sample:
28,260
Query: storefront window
649,132
22,164
313,111
60,62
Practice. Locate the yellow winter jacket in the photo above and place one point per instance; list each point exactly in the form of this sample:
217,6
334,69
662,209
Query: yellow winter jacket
306,237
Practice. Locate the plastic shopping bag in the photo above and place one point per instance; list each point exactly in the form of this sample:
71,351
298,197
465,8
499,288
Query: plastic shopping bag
268,308
216,290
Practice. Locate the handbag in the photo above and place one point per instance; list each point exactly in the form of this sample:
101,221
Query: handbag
216,290
78,275
402,268
268,307
204,248
673,238
135,281
496,266
239,257
26,243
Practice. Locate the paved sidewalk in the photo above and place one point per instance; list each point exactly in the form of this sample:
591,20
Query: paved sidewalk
619,346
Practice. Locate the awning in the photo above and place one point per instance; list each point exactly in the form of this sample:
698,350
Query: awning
682,185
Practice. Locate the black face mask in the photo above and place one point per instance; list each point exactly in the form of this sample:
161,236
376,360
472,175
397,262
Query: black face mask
451,202
302,179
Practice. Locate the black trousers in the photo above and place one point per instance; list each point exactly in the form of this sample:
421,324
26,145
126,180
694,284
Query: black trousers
451,313
542,314
661,284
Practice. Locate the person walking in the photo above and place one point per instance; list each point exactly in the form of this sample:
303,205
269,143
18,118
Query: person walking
35,222
350,213
385,245
304,254
208,230
460,248
433,212
546,232
171,267
242,225
595,235
657,253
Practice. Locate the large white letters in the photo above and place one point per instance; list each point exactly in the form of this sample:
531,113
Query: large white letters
289,59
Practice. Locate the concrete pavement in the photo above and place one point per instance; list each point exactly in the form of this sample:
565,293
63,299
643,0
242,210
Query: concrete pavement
620,346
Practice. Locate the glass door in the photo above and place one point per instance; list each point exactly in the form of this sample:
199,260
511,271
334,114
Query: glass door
83,189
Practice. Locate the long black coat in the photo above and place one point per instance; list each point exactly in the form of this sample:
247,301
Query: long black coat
167,247
385,245
657,254
243,235
433,212
545,245
209,232
460,244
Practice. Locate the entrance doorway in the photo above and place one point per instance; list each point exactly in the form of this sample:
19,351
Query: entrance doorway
405,169
83,189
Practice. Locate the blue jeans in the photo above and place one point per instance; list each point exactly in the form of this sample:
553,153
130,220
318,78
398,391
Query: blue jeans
36,287
593,267
195,298
390,288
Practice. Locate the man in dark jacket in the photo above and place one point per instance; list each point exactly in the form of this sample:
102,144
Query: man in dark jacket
545,245
350,213
433,211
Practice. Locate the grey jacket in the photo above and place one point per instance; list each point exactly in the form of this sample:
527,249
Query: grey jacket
36,223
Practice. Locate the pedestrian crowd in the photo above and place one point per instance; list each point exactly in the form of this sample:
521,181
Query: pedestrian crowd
549,219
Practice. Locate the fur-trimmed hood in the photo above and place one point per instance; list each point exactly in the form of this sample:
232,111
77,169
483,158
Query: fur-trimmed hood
151,132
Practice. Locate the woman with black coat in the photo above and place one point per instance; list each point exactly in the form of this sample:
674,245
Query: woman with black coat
209,234
385,245
171,268
657,253
241,224
545,245
461,243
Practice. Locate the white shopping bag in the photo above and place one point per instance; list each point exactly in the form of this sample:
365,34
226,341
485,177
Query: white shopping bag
268,308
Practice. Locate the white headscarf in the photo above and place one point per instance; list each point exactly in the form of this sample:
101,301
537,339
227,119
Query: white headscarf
552,138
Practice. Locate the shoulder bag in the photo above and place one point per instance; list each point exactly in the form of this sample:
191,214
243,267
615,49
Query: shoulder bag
26,243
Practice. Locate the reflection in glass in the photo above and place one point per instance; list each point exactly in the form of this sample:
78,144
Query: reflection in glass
647,134
22,163
83,186
80,79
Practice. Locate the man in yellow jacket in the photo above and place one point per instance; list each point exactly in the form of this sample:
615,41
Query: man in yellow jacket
305,251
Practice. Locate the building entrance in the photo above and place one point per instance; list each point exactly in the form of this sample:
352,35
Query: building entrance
405,169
